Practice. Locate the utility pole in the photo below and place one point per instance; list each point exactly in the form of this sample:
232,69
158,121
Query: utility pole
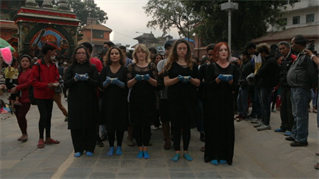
229,6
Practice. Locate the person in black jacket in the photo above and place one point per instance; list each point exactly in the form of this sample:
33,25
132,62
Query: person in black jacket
81,78
242,99
301,76
264,81
287,119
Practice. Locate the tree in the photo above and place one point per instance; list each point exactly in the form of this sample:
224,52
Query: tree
167,14
248,22
85,9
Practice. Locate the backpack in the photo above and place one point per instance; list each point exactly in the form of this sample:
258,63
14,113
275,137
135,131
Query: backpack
31,89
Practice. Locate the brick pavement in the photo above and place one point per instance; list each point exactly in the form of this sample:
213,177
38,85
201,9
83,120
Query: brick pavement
262,154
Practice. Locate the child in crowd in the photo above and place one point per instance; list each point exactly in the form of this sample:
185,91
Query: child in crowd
11,74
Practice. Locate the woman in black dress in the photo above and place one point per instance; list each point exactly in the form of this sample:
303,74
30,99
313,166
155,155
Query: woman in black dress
221,80
181,78
114,106
142,78
81,78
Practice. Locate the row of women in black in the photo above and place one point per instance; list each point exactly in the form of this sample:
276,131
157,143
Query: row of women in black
181,78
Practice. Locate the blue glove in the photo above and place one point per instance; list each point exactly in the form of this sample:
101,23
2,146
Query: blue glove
138,77
85,77
187,79
118,82
107,81
180,78
77,76
146,77
113,81
229,78
221,77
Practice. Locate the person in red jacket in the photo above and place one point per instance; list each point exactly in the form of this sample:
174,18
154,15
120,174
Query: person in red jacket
45,80
24,82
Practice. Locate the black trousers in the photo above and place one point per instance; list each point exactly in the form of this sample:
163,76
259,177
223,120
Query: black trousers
177,137
286,116
119,138
45,109
142,135
84,139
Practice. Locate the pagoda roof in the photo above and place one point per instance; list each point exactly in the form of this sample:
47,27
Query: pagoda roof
96,27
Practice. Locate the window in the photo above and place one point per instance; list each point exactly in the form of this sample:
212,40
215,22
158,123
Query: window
98,34
310,18
296,20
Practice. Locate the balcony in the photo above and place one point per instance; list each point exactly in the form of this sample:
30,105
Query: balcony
303,4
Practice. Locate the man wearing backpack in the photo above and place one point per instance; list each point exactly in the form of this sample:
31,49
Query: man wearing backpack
264,81
301,76
287,119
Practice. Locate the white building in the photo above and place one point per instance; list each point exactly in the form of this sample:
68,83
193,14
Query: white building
301,18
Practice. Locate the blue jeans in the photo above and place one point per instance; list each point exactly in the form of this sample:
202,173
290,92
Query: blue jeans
264,98
300,99
256,104
242,101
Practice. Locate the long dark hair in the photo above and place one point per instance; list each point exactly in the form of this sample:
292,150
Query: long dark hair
73,59
20,59
173,57
108,56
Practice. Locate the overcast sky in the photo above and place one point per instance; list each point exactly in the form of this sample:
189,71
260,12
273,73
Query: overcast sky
126,17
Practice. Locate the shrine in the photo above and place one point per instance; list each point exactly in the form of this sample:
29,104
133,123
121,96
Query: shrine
39,25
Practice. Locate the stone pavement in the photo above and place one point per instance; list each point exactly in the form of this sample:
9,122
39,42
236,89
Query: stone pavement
264,154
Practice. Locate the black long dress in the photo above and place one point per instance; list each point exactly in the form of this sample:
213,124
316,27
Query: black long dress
114,111
182,97
82,106
142,97
219,120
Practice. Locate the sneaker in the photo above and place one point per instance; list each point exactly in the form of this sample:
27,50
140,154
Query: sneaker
130,142
290,139
255,121
258,124
287,133
280,130
264,127
298,144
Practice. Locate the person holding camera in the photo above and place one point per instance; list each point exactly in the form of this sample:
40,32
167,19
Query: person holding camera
301,77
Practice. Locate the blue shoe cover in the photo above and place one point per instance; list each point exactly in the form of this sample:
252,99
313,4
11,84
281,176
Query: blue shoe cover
287,133
146,155
119,150
175,158
89,154
214,162
222,161
189,158
140,154
110,152
77,154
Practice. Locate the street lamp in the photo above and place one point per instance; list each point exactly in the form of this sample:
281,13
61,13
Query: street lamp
229,6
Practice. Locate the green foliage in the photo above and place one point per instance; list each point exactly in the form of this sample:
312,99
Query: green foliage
87,9
248,22
168,14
